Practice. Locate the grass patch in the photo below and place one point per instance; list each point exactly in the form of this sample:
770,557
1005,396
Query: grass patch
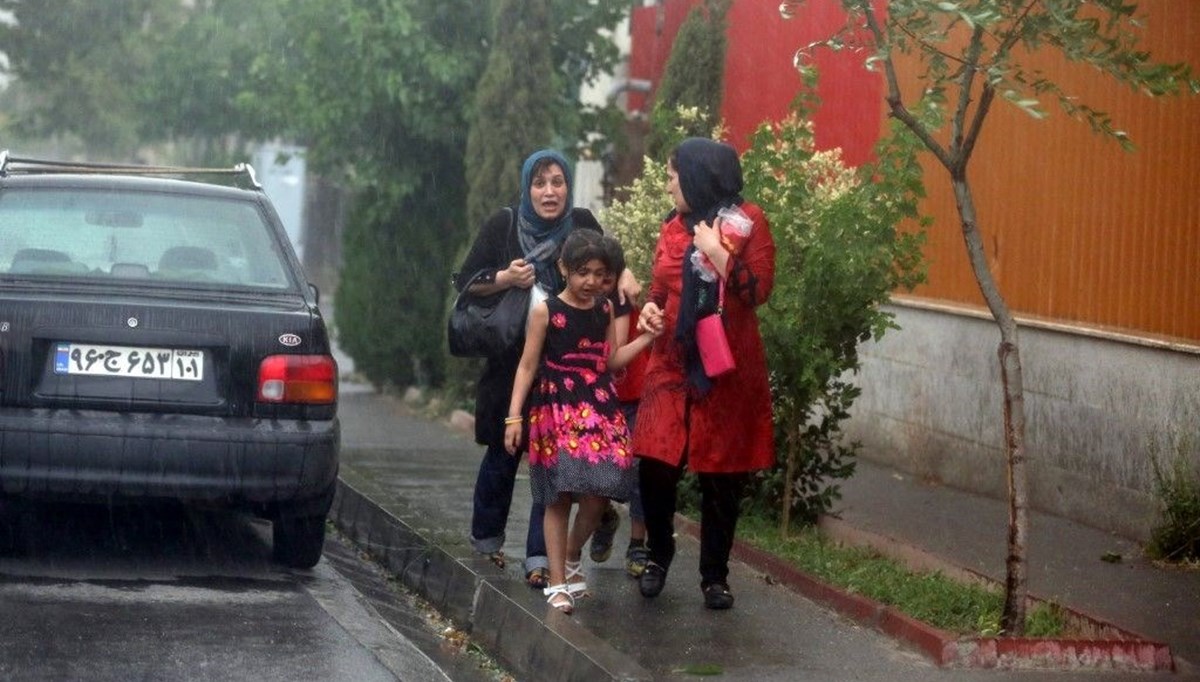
932,598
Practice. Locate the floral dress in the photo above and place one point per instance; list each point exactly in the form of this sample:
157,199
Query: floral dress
578,439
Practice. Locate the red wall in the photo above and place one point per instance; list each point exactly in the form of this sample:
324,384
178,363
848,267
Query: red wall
760,81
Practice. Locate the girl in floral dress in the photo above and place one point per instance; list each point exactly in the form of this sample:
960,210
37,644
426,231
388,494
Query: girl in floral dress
578,438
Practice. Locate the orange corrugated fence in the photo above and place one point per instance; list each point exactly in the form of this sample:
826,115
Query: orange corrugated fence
1076,229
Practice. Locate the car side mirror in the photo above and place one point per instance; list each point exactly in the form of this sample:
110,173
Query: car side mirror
315,292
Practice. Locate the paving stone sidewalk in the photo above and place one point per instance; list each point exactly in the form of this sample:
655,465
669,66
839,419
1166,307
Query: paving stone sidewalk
406,496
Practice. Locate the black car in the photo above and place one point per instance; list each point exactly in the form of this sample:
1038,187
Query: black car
159,340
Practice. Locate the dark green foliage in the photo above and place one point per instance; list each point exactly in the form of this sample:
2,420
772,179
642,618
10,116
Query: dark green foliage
196,85
379,91
82,63
693,78
387,289
514,106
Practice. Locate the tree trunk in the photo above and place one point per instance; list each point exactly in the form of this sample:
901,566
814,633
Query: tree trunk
1012,621
785,518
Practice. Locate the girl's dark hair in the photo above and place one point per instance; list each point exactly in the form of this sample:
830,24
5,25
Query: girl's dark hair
583,245
616,254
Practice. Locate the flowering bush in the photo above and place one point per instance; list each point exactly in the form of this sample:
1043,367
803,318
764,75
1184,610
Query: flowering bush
839,255
636,220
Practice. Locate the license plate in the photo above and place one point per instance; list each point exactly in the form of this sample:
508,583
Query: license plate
128,361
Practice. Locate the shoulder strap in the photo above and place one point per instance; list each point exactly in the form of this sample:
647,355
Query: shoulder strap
512,232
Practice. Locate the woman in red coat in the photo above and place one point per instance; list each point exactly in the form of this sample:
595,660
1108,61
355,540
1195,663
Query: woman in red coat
719,428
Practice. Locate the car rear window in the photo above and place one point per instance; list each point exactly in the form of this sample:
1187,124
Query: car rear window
128,235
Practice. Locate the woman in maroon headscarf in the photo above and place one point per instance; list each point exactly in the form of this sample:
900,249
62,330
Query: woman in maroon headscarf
719,428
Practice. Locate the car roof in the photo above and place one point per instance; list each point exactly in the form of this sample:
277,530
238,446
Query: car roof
99,181
16,171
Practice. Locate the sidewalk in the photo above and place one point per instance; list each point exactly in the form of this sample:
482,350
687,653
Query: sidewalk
405,495
1064,556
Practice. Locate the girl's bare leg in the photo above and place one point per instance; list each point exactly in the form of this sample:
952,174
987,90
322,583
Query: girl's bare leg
555,525
587,519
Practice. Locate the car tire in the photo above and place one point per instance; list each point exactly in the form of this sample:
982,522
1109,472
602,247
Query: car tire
298,540
15,519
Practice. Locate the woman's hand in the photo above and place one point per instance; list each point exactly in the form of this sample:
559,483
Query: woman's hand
650,320
517,274
707,239
628,287
512,438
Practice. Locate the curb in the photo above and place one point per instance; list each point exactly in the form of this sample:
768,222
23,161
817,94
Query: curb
475,594
1116,649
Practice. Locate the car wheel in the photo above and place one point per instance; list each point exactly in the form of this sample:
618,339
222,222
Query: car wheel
15,518
298,540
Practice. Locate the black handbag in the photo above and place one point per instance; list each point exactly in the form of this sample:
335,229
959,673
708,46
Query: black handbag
487,326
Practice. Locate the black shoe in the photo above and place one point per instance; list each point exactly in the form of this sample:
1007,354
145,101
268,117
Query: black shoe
717,596
602,539
652,580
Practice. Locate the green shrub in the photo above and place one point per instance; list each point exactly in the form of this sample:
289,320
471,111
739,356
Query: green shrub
839,255
1177,536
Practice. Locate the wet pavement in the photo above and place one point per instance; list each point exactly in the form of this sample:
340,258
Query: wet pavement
406,496
160,592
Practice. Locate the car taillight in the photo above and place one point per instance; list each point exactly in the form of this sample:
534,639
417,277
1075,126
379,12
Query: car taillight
307,379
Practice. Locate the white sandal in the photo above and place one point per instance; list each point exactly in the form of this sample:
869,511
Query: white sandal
554,591
578,587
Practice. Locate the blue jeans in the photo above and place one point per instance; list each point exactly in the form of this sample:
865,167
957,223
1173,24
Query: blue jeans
493,498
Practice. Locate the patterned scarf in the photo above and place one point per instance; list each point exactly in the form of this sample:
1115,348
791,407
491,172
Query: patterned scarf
534,231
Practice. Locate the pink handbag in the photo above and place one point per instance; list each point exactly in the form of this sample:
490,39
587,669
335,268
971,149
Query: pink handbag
710,339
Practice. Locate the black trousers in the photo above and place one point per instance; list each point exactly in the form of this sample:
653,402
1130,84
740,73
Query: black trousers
720,501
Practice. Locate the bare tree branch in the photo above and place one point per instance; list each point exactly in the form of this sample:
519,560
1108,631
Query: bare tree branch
894,98
966,81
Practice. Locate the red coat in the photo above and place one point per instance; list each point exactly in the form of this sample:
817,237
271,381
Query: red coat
729,430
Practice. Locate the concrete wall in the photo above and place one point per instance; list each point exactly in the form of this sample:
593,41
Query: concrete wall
1095,408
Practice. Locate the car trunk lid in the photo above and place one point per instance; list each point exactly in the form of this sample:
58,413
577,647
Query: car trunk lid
197,353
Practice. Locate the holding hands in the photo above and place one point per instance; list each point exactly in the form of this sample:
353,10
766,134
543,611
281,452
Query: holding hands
650,321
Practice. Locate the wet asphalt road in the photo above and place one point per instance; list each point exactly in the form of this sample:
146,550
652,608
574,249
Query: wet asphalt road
162,593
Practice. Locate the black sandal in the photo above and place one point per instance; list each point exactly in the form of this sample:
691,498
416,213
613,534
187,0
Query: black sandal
496,557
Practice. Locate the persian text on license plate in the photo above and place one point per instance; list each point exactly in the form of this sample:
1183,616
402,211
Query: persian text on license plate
128,361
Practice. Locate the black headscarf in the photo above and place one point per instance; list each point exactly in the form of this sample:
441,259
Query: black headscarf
710,178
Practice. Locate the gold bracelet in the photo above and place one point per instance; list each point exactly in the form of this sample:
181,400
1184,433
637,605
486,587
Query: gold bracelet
513,420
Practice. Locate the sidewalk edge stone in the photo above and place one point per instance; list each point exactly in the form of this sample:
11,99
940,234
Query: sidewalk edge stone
554,649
